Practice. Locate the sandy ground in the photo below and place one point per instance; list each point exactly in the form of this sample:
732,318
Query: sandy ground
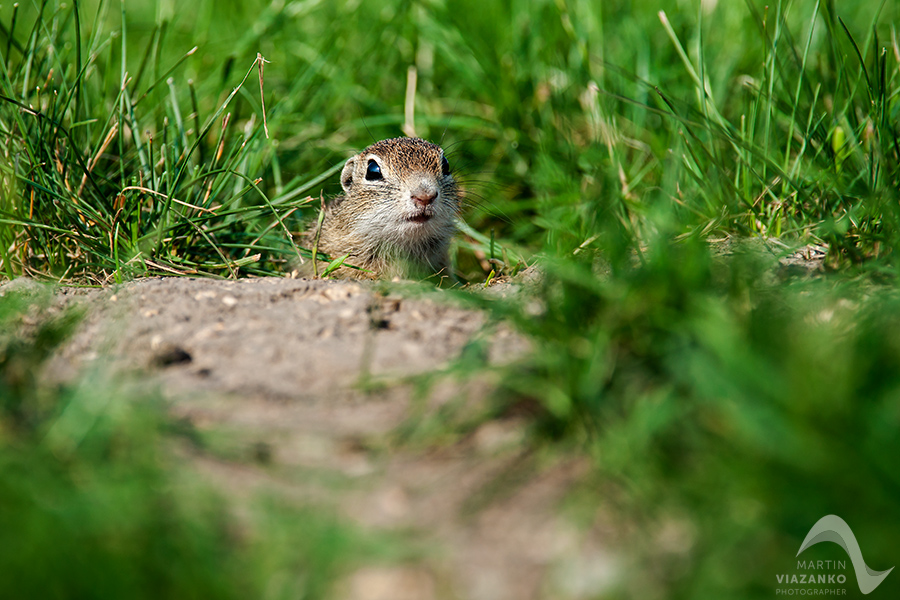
306,386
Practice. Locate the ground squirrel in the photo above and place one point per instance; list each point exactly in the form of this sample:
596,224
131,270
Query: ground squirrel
397,214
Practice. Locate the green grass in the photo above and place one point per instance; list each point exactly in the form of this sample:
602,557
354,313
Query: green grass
607,141
132,152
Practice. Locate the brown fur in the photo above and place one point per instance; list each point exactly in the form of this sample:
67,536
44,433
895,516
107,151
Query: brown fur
381,225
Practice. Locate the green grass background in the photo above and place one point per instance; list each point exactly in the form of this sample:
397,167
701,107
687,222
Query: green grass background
607,141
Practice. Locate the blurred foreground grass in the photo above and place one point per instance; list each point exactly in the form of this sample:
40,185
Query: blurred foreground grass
726,411
721,400
97,500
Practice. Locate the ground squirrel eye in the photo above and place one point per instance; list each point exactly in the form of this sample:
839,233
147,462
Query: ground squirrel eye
445,166
373,171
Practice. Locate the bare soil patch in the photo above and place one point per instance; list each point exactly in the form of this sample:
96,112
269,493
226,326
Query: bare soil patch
279,373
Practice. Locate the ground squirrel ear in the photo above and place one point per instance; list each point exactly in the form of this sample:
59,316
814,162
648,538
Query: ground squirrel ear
347,174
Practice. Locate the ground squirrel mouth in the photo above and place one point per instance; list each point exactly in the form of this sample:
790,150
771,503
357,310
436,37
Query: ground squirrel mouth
419,218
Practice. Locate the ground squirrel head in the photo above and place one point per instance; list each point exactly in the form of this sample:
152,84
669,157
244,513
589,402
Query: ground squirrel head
400,204
402,188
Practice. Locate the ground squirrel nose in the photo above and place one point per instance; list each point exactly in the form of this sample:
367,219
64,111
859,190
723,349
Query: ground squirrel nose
422,197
